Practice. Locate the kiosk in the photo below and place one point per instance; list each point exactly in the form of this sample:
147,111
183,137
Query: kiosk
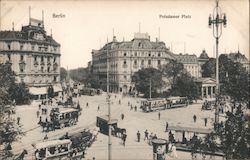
160,148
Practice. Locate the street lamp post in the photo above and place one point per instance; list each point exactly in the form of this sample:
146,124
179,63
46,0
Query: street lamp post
109,112
216,21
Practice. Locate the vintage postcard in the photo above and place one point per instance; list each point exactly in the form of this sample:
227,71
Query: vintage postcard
124,80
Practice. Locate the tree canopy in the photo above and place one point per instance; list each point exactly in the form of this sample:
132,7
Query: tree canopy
182,83
63,74
9,90
233,78
144,77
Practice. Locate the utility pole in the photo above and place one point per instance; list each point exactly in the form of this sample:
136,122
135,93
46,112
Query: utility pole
109,111
150,86
216,22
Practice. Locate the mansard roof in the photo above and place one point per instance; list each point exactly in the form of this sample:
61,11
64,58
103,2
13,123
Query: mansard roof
135,44
24,35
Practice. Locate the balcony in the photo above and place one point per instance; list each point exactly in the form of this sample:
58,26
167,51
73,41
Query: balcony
135,66
124,65
48,63
42,63
22,62
8,62
35,63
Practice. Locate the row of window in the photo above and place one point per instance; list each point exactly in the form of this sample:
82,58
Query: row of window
35,58
40,47
142,62
142,54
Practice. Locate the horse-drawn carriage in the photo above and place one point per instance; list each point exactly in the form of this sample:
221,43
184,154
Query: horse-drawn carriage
208,104
64,117
60,118
103,123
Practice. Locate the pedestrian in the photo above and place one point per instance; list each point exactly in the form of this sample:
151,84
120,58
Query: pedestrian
138,136
122,116
119,101
37,113
18,120
124,138
45,137
131,107
98,108
135,108
166,127
40,120
46,120
66,135
154,137
87,104
159,115
146,135
205,120
9,114
194,117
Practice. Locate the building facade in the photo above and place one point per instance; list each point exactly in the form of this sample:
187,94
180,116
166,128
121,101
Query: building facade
240,58
190,63
33,55
127,57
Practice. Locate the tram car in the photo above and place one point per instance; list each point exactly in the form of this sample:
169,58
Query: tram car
88,91
156,104
175,102
153,104
80,140
53,150
64,117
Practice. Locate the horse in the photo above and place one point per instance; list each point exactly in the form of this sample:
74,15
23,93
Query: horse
119,132
21,156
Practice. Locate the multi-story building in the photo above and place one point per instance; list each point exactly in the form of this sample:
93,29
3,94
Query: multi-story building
125,58
240,58
33,55
190,63
202,60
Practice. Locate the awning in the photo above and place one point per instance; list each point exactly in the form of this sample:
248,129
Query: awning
38,90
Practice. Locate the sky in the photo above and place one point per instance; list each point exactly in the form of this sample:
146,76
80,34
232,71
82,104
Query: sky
88,25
